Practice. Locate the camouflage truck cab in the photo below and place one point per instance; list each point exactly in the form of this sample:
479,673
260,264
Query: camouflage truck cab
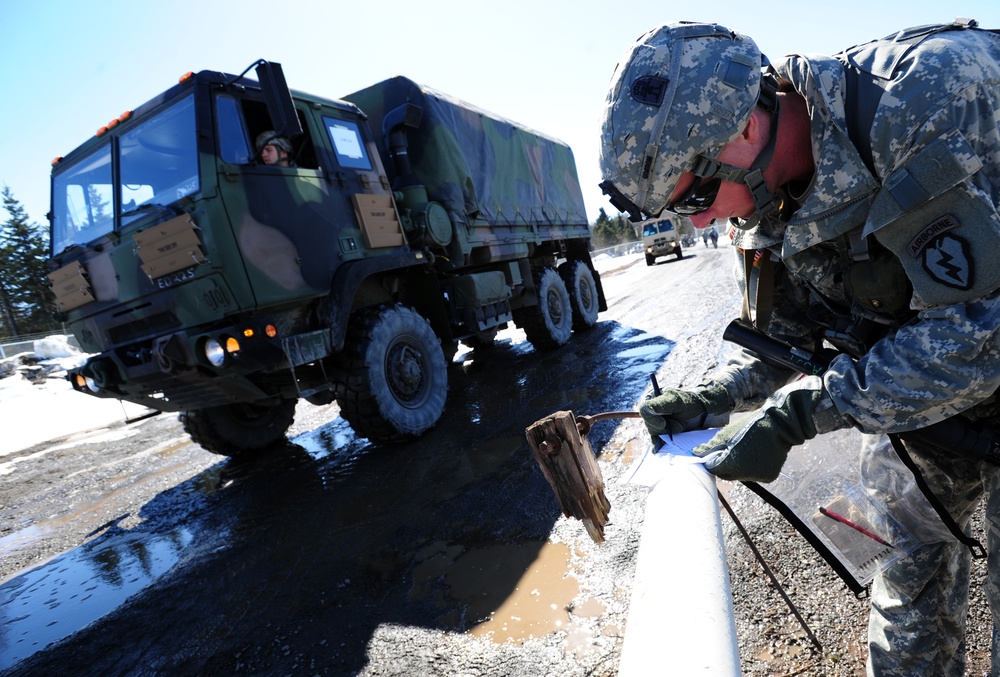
207,283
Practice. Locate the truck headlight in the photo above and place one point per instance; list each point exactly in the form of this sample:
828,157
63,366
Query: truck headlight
86,383
215,353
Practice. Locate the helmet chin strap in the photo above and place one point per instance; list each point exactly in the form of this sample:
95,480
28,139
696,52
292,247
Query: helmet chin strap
765,202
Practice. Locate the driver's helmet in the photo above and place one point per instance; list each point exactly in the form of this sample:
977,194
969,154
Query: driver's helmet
269,137
683,90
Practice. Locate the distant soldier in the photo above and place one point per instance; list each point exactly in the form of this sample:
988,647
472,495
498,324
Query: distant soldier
713,235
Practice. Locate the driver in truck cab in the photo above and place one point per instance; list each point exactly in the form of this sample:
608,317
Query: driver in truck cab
274,150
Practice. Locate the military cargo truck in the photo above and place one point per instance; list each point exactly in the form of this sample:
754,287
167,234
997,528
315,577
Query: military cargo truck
207,283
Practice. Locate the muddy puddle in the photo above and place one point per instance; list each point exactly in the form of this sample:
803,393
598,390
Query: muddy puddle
510,592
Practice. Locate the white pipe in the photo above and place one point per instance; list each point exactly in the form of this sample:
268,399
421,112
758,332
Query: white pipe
680,621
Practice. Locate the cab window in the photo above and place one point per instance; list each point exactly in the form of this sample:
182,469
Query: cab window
233,144
345,136
82,200
241,121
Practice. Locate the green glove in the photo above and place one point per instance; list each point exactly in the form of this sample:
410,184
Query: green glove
676,411
754,447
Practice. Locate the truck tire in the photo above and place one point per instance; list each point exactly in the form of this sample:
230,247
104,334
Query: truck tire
393,379
241,428
582,290
549,324
650,260
679,253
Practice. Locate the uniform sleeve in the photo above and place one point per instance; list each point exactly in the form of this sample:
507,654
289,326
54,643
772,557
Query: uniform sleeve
942,364
936,212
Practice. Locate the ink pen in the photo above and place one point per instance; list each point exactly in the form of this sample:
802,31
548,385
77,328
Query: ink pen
856,527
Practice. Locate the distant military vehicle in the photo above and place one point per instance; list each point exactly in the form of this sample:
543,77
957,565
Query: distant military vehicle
661,238
207,283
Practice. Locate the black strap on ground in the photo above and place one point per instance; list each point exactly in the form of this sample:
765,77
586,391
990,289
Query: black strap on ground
974,546
770,574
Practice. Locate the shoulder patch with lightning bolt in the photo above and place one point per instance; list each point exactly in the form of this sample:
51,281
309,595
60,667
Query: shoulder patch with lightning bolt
944,255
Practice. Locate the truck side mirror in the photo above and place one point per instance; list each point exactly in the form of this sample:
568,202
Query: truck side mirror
278,99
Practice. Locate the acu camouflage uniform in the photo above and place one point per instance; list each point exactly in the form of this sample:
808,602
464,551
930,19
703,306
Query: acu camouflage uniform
903,242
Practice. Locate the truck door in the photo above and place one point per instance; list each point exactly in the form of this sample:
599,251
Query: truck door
287,221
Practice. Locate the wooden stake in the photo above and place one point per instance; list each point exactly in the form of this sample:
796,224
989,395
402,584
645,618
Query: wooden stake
569,465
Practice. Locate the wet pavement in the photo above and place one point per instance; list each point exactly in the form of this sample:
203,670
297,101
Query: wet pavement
301,556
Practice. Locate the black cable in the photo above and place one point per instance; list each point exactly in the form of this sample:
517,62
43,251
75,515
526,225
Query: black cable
767,570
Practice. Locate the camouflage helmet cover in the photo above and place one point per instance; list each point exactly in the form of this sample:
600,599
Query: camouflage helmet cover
681,91
270,137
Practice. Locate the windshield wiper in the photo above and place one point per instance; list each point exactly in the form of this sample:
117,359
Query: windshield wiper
68,248
149,206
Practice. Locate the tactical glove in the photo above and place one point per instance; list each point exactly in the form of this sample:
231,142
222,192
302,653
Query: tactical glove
754,448
676,411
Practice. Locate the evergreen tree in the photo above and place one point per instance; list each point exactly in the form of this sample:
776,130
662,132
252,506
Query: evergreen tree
608,232
603,235
25,298
8,323
623,227
100,208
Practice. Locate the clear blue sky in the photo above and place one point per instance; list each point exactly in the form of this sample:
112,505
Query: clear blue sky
70,66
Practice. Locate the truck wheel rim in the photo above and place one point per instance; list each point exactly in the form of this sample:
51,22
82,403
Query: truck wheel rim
554,303
405,372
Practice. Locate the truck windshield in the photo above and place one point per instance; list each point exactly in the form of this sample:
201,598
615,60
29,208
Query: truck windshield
157,165
657,226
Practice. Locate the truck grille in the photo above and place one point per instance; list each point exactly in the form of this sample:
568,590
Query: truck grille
140,327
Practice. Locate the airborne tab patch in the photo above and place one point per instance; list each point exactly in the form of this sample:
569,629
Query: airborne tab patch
921,240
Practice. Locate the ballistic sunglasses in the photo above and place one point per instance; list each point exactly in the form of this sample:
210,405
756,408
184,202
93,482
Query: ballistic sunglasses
698,198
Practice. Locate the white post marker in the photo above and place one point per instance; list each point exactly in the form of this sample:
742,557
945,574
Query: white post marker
680,620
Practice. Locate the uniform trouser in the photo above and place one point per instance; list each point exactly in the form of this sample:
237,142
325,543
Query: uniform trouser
919,604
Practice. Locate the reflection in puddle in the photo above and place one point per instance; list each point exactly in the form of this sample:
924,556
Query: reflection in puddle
66,594
654,351
327,439
518,591
578,398
637,338
643,361
20,540
475,413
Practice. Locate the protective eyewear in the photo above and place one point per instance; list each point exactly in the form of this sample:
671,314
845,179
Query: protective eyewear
698,198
